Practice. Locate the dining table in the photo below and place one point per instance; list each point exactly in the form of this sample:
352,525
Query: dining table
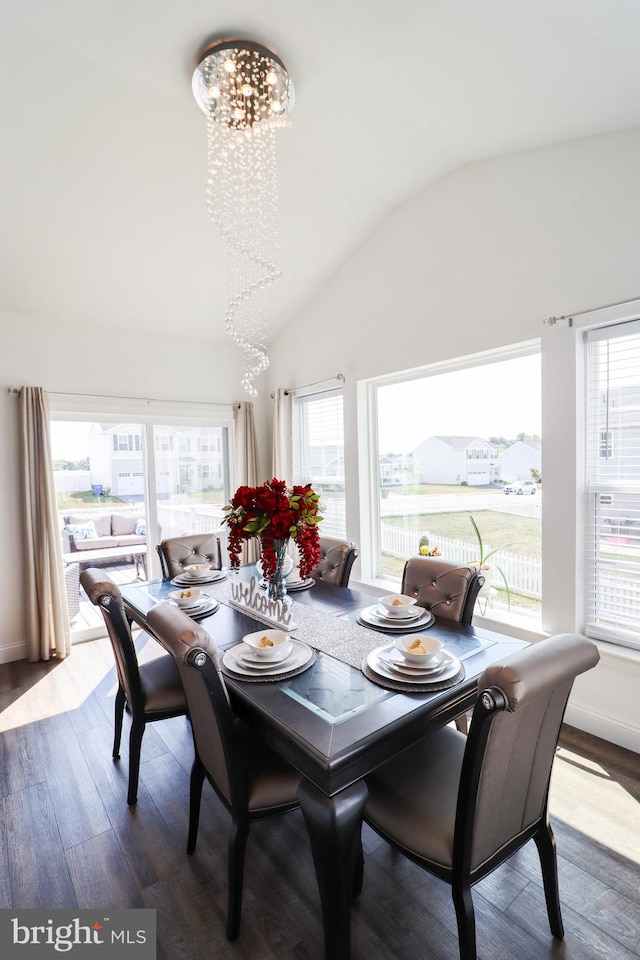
343,711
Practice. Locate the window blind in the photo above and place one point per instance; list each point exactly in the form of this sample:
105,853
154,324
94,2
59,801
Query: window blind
613,483
318,454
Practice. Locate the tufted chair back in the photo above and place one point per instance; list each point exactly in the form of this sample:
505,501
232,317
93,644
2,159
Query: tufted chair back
336,560
176,553
448,590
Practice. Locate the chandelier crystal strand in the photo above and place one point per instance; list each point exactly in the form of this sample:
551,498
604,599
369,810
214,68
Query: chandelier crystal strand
247,95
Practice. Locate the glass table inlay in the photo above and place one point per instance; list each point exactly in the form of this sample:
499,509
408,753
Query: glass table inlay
333,690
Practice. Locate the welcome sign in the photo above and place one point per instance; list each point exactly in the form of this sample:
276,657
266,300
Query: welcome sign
251,599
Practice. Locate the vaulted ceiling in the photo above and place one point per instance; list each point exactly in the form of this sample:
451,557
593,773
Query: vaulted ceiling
102,163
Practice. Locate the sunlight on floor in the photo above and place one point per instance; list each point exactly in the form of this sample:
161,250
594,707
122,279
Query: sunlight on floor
588,798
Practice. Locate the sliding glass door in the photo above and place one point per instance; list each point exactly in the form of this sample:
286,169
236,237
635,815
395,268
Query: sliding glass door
123,484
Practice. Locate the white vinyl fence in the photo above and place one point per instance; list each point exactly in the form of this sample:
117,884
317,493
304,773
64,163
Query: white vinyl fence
524,574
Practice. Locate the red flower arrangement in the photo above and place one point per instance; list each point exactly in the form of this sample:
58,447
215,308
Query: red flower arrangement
275,514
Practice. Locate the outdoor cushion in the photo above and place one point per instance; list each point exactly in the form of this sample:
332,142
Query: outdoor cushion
122,525
82,531
98,543
102,522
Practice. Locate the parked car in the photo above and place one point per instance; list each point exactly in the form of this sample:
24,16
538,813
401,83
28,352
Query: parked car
521,487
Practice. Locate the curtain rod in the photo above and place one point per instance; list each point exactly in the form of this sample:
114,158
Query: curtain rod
303,386
550,321
15,392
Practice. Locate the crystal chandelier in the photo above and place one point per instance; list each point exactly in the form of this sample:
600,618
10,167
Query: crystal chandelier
247,94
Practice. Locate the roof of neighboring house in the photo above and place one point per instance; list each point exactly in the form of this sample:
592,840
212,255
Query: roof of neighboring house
460,443
531,444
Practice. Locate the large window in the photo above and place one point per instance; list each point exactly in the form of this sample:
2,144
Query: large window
318,431
460,441
613,484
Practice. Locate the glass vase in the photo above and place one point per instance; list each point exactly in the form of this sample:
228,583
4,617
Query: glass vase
277,585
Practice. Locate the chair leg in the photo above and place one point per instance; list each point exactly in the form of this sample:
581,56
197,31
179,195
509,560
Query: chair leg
462,723
195,796
135,746
546,844
117,726
237,846
465,915
358,870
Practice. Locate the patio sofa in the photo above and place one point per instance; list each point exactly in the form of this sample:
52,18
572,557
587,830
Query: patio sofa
102,531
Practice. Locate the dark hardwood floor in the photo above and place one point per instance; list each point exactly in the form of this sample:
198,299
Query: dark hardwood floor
69,840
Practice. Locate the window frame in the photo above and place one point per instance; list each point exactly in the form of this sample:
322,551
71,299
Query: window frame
602,490
369,453
304,397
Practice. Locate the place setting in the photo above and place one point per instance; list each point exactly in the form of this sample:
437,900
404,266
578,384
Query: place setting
414,663
396,613
194,602
267,655
199,573
295,582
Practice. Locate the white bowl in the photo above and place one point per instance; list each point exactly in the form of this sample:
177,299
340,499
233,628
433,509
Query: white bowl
196,570
267,643
186,597
396,604
420,649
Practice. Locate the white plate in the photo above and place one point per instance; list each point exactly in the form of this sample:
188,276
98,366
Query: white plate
208,605
299,584
183,581
409,613
449,668
370,617
233,659
396,661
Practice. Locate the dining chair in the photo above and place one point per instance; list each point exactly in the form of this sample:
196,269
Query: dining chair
150,691
176,553
336,559
459,806
449,590
249,778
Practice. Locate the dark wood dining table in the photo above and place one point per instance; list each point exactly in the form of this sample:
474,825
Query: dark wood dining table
331,722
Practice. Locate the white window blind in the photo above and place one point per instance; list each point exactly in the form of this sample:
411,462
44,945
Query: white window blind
613,484
318,454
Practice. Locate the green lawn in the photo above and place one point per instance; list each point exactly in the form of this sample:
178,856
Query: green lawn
497,529
438,489
85,498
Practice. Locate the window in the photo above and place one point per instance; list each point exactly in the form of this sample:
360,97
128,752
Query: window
127,442
184,444
164,443
318,454
208,444
613,483
455,436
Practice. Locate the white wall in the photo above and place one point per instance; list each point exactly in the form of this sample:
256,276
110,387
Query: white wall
77,359
473,264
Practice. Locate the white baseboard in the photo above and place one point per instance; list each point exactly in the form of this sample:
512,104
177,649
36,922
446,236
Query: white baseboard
14,651
605,727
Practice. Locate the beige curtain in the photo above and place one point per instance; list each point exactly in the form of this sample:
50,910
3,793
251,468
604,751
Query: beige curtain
46,613
247,466
283,435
